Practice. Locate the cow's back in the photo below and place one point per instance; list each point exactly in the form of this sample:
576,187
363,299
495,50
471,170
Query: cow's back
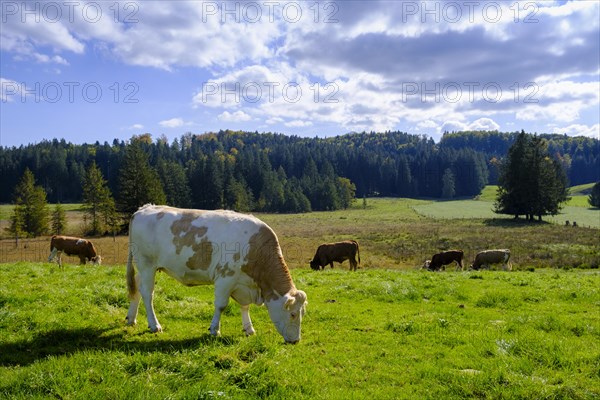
193,246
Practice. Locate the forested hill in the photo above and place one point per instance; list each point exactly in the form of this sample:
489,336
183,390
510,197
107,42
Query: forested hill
275,172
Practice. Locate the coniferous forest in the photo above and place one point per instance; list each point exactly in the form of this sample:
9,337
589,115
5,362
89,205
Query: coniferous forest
251,171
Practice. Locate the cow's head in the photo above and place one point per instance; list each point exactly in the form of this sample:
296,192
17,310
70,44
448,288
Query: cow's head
96,260
315,265
426,264
286,312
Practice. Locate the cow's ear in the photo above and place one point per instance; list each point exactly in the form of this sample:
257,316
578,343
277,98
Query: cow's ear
300,296
289,302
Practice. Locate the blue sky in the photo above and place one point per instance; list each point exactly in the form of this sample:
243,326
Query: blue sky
96,71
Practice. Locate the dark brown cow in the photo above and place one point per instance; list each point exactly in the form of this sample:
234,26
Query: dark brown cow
444,258
73,246
339,252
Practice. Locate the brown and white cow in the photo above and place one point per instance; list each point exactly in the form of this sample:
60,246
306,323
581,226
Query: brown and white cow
489,257
73,246
237,253
444,258
327,253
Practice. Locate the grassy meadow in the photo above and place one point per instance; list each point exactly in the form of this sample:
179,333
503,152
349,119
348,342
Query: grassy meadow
387,331
384,334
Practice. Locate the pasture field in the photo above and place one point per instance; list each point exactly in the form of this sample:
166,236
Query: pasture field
381,334
392,235
387,331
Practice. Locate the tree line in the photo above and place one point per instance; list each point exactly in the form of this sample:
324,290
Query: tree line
248,171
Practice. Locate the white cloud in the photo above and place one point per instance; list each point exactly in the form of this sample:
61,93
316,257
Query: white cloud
274,120
456,126
136,126
298,124
172,123
237,116
484,124
579,130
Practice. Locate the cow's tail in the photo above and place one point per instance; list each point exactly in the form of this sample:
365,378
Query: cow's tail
357,251
131,283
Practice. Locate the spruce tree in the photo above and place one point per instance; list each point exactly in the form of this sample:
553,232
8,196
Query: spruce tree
531,183
448,184
30,215
97,198
59,220
139,183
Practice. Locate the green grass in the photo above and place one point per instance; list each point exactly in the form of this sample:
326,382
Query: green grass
576,209
582,190
383,334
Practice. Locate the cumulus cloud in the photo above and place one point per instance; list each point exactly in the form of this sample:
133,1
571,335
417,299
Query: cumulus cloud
579,130
298,124
484,124
358,66
481,124
172,123
237,116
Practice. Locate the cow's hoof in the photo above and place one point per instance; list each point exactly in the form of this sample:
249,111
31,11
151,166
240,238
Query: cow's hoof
157,329
214,332
250,331
130,323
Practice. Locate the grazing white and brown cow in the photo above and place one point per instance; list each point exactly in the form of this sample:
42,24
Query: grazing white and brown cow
489,257
327,253
73,246
444,258
237,253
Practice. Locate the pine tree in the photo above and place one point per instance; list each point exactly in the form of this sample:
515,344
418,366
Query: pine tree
139,183
17,223
448,184
175,184
346,190
531,183
594,197
30,215
59,220
97,198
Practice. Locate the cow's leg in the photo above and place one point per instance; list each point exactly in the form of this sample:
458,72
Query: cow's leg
353,264
60,265
52,254
331,264
246,321
146,287
81,260
222,293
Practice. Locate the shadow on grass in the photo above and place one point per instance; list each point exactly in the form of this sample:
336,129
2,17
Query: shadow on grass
60,342
514,223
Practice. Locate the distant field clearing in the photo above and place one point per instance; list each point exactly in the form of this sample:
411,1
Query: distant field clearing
466,209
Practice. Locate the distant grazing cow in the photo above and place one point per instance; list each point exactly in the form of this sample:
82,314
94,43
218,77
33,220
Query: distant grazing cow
237,253
444,258
488,257
339,252
73,246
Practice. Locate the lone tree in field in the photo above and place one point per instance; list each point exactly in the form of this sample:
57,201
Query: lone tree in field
139,183
30,214
531,183
97,200
59,220
594,197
